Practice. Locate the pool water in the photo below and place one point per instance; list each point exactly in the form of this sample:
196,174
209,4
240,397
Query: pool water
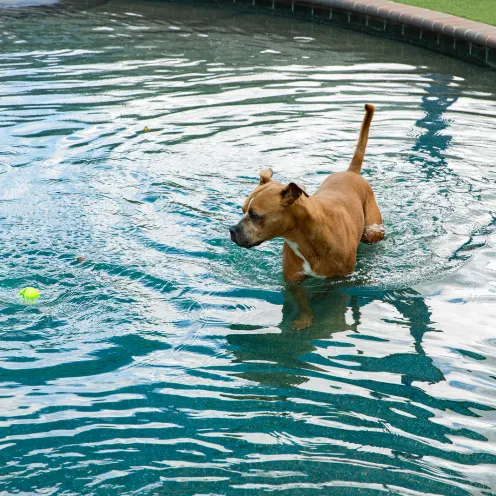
164,360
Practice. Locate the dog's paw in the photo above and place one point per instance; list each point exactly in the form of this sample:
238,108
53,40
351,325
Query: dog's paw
303,322
373,234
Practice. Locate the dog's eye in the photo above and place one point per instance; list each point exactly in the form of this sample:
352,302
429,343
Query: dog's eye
254,216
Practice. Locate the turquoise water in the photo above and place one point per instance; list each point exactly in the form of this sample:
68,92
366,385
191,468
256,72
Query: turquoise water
165,361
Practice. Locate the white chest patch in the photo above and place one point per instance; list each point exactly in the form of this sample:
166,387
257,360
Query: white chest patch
307,270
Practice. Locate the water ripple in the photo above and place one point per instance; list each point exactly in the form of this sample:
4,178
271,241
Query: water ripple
161,358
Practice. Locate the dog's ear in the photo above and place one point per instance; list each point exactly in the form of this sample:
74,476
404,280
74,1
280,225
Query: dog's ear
265,176
291,193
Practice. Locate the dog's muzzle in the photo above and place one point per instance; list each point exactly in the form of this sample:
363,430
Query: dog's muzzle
235,231
239,237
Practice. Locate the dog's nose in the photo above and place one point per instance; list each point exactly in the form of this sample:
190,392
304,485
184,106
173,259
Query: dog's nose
233,230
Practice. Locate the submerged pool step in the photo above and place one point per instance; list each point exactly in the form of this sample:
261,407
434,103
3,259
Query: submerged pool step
472,41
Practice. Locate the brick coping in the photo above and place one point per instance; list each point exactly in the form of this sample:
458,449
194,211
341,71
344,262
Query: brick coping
445,24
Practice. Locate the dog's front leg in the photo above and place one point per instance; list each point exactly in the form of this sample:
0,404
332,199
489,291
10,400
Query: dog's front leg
293,275
305,316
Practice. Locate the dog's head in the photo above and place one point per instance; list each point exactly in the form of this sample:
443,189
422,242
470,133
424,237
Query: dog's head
268,212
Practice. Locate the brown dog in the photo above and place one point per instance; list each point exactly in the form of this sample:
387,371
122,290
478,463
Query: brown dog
322,231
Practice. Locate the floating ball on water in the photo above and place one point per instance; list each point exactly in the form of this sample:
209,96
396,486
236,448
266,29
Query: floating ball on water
29,293
146,129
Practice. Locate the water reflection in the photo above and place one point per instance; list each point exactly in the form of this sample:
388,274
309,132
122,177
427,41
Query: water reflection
357,359
433,141
334,312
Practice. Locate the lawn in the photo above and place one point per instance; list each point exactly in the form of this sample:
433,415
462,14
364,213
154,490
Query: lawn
477,10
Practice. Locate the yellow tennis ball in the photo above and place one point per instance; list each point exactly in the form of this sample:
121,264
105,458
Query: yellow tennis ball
29,293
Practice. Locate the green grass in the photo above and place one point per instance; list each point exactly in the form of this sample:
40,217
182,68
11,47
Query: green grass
476,10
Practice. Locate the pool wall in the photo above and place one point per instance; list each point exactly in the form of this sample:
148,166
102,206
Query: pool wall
472,41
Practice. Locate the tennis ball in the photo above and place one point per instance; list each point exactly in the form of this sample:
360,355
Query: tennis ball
29,293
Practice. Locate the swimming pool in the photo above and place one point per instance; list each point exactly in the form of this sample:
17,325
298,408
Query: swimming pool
165,361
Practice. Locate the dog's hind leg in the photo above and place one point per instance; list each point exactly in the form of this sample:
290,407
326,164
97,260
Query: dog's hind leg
374,229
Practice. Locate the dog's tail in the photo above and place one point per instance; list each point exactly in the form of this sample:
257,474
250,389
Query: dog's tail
356,162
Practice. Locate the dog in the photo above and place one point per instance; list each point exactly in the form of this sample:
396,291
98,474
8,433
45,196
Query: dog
321,232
